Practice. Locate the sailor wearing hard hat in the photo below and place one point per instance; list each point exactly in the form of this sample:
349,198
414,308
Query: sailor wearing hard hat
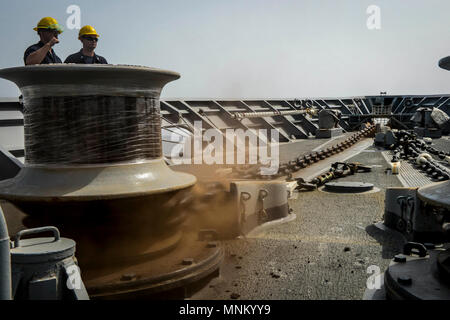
48,30
89,38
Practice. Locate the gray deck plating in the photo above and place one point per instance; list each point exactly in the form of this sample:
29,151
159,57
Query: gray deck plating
322,254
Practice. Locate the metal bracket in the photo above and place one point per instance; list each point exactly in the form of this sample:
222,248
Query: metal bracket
415,248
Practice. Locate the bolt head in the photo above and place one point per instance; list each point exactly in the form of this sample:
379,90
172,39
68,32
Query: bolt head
404,280
211,244
429,245
187,261
400,258
128,277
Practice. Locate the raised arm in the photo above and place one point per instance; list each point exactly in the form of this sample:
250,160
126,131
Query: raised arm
37,56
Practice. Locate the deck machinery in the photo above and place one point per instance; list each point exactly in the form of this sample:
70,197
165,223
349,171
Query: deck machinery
94,167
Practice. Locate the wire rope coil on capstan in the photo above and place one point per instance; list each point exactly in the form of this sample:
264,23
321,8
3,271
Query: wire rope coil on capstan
94,168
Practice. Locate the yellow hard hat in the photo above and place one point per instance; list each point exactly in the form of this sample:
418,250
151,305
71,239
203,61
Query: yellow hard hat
87,30
49,23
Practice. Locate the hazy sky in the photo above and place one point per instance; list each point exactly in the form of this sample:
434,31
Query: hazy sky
253,48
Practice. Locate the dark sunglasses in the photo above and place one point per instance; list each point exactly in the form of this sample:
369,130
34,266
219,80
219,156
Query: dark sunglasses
53,31
91,38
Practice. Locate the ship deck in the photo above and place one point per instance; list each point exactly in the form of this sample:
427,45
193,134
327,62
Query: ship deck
321,253
322,250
